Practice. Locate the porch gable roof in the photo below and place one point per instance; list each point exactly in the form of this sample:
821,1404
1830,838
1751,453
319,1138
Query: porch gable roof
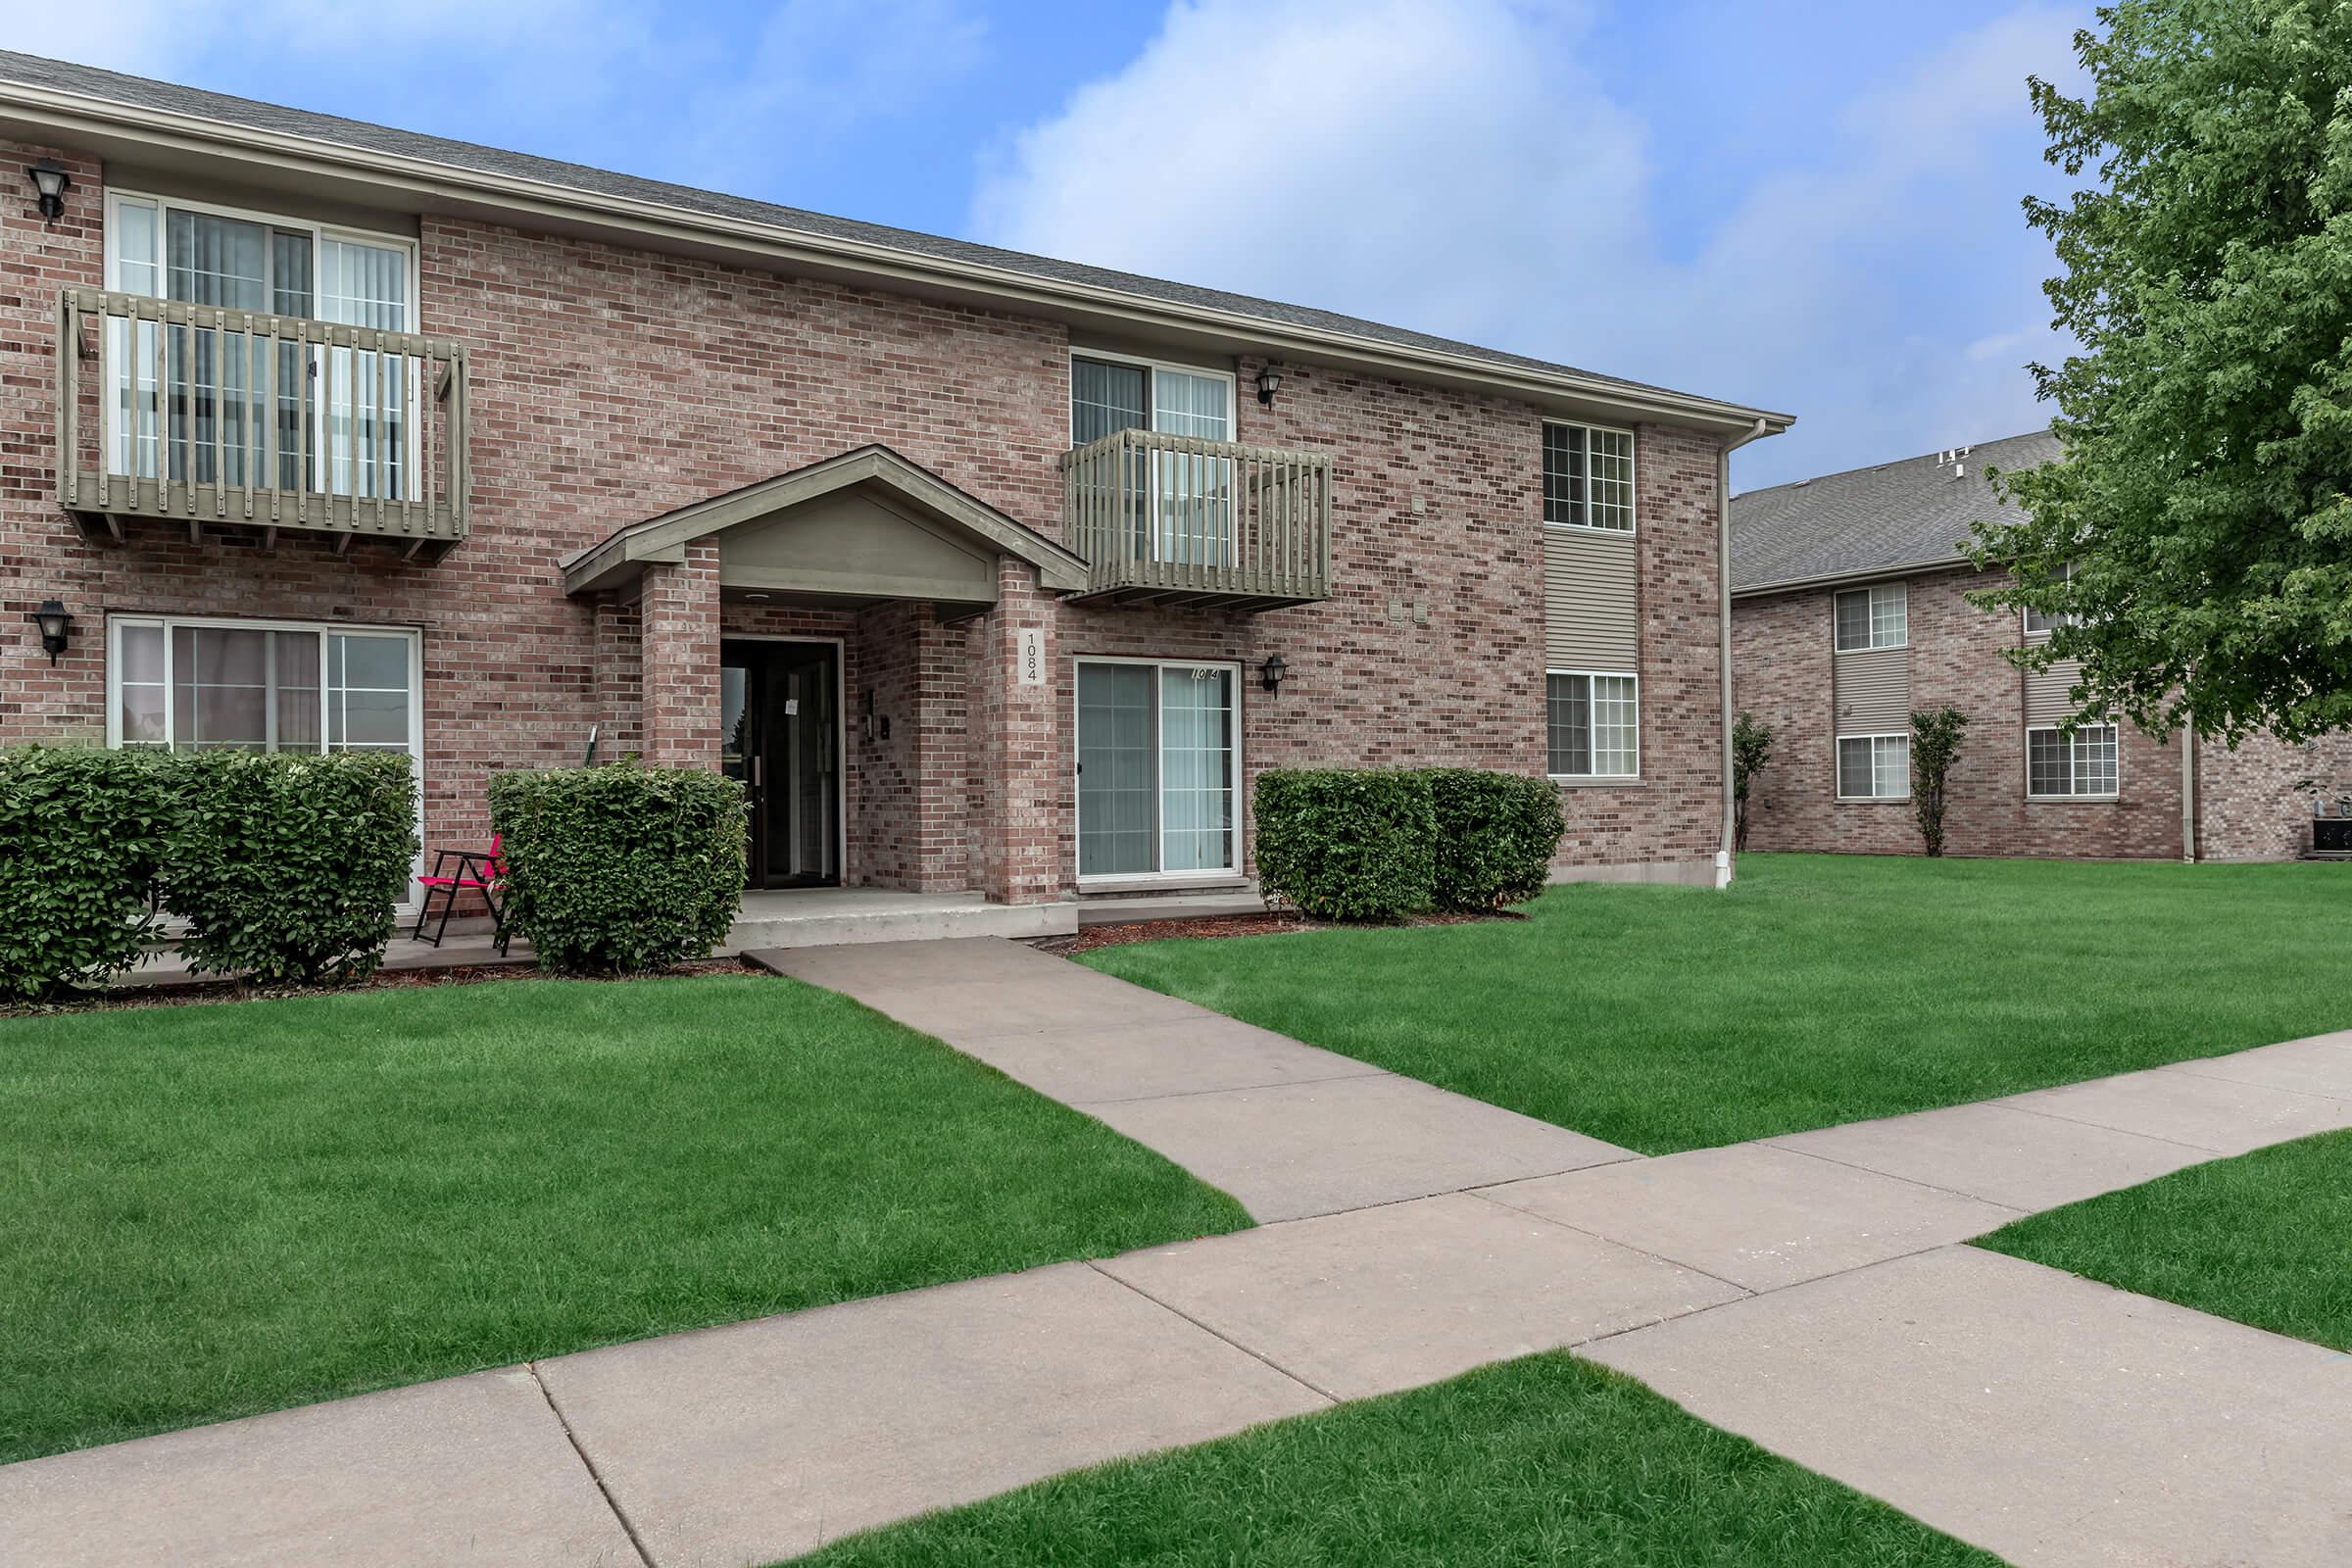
872,468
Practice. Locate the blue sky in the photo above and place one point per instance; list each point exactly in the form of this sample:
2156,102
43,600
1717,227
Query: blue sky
1811,208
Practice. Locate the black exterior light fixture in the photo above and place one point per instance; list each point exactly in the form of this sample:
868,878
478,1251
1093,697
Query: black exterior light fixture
1271,672
56,627
49,178
1270,382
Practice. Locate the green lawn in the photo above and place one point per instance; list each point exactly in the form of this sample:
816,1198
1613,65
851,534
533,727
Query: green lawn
2260,1239
1819,989
1541,1460
212,1210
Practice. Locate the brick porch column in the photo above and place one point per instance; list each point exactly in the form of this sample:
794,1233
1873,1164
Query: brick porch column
679,642
1019,744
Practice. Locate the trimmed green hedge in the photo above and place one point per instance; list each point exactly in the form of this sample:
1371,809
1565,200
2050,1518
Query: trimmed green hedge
80,832
1496,836
620,868
286,866
1347,844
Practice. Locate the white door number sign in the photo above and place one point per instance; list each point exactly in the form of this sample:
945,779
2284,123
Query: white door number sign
1033,656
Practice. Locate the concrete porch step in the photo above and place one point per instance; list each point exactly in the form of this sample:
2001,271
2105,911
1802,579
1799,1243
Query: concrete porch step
819,917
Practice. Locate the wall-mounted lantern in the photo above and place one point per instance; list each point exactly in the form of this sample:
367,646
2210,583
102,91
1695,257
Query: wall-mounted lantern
1270,382
1271,672
49,181
57,627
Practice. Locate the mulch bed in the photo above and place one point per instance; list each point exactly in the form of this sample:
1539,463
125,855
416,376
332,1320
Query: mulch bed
1270,924
177,993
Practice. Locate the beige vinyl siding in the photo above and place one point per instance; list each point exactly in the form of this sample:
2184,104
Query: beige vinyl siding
1872,691
1590,610
2046,700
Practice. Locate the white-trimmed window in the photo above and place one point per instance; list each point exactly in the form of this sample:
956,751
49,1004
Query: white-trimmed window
1876,617
1874,767
262,686
360,438
1589,477
1592,724
2083,766
2038,626
1160,758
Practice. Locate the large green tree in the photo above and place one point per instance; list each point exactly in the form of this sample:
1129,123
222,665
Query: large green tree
2207,420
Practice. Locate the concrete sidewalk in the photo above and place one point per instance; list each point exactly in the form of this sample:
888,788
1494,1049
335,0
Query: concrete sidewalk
1802,1291
1287,1129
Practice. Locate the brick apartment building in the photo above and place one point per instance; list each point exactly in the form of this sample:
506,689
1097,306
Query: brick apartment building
984,571
1848,614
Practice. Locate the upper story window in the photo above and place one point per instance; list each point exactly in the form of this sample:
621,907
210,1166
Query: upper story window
1876,617
1589,477
209,404
1109,395
2039,624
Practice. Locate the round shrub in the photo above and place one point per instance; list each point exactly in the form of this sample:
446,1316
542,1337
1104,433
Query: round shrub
80,832
1347,844
1496,836
620,868
287,866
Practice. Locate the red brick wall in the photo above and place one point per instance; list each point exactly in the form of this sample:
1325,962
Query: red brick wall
609,385
1781,669
2249,807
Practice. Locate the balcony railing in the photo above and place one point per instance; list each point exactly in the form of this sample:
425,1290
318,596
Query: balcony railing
1176,519
207,415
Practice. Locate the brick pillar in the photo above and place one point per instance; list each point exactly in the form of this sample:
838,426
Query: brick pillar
679,648
1019,746
620,679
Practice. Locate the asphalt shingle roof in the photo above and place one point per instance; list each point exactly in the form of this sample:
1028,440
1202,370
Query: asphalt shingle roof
110,86
1913,512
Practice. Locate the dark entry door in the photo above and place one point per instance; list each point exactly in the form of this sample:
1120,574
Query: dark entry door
780,734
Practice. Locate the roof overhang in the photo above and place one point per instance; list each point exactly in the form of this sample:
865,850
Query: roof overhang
1846,579
910,491
334,170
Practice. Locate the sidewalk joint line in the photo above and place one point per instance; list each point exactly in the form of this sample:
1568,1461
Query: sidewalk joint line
1638,1252
1266,1360
2078,1121
2190,1069
620,1515
1872,1170
1229,1089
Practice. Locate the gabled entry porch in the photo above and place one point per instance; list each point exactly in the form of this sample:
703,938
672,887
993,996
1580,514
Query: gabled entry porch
868,647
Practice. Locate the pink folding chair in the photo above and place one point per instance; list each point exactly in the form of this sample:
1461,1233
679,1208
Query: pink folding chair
474,872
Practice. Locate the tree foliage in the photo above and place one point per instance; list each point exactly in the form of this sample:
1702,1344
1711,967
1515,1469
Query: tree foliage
1935,734
2207,420
1751,748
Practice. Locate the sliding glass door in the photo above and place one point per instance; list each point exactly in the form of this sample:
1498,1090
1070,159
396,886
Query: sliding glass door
1184,500
213,406
1158,759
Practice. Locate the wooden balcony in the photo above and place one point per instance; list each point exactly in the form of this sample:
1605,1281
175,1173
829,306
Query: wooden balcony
217,418
1172,519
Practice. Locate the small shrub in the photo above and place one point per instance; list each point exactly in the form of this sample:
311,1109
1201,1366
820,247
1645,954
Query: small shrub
1496,836
1751,748
1936,735
80,832
620,868
1347,844
287,866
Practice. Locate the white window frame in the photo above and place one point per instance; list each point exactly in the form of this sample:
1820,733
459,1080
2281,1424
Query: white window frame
2115,794
1901,590
1837,764
1633,480
1635,676
1233,426
1159,844
2034,634
117,623
116,199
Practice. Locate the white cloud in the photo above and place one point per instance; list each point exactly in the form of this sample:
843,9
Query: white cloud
1452,166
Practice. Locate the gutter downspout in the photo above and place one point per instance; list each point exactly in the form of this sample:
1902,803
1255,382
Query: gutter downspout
2189,795
1722,576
